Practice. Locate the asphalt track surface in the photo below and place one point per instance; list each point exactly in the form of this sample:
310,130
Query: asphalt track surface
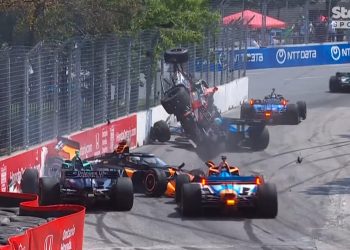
314,196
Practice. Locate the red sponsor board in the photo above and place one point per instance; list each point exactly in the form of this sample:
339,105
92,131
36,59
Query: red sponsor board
93,142
64,232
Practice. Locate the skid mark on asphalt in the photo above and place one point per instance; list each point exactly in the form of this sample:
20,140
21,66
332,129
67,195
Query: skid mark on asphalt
191,228
105,227
249,230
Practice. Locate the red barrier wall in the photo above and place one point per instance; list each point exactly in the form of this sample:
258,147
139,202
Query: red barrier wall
66,232
93,142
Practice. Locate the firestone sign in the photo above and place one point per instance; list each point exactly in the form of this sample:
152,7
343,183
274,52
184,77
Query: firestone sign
341,17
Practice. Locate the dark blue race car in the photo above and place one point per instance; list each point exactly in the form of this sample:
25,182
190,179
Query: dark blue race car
274,108
226,190
82,182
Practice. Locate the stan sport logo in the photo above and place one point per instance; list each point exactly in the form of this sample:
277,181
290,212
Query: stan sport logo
341,17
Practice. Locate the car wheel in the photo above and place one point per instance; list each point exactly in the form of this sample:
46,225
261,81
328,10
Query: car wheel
176,100
267,202
160,131
259,138
122,194
302,109
155,182
179,182
334,85
176,55
292,114
190,204
49,191
30,181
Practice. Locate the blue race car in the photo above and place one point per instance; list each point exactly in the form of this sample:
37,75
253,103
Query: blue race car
225,189
274,108
82,182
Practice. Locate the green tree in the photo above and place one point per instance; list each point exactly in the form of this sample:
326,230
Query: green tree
178,21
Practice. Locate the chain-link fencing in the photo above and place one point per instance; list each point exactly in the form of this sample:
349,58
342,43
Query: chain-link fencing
55,89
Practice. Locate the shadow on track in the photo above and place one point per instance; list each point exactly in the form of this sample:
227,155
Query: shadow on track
339,186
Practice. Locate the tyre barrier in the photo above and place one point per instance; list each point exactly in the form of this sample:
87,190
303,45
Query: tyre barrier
24,225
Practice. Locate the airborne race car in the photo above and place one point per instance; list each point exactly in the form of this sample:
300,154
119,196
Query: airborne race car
226,190
149,174
192,102
82,182
339,82
274,108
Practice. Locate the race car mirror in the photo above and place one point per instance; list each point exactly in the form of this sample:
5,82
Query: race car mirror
181,166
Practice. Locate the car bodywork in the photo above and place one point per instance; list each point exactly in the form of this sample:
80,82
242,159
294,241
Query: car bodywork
274,109
192,103
149,174
339,82
226,190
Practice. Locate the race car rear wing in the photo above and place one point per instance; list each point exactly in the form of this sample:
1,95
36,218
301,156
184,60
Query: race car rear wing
217,180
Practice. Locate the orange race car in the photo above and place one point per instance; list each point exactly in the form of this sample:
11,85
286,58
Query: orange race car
149,174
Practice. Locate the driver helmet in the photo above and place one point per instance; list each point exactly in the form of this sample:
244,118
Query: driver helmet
218,121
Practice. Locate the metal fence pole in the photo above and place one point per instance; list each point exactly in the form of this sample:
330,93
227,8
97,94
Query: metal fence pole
40,95
9,106
128,80
55,96
26,101
104,82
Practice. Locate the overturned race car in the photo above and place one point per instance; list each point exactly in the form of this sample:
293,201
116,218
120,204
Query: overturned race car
192,103
275,109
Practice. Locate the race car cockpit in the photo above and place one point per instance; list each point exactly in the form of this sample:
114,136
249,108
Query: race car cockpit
223,167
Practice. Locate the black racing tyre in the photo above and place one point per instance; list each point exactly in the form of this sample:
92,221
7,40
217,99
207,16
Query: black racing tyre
259,138
176,56
137,181
302,109
292,114
267,202
191,128
334,85
160,131
179,182
176,100
155,182
122,194
190,204
30,181
247,111
49,191
53,167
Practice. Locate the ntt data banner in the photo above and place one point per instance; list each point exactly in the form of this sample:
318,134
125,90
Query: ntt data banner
289,56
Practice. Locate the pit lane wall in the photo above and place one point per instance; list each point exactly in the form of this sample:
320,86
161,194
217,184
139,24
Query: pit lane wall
228,96
64,232
280,57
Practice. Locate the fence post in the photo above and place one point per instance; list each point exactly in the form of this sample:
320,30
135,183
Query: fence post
10,106
26,101
128,81
55,95
40,95
104,81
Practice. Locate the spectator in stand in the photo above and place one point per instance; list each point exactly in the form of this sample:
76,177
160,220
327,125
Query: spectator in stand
331,31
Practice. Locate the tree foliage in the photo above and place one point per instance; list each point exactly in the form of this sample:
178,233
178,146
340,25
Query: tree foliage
178,21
